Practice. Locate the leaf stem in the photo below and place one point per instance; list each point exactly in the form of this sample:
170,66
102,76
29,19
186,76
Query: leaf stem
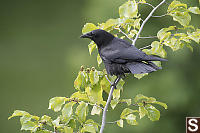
148,17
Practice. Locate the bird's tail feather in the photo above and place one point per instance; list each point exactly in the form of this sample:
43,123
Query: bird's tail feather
141,67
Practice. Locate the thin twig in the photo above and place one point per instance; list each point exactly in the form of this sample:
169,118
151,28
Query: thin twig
108,79
145,47
150,14
107,104
112,122
147,37
159,16
124,33
146,4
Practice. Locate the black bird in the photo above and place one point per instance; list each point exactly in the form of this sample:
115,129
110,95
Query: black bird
120,57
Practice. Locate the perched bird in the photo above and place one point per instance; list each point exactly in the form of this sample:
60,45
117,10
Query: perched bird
120,57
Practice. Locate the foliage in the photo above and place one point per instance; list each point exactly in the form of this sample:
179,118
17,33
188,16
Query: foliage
74,112
88,100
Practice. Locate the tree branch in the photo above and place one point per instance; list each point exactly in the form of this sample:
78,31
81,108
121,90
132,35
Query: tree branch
124,33
147,37
146,4
148,17
113,86
159,16
145,47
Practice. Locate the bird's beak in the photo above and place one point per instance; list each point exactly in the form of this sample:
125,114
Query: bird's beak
87,35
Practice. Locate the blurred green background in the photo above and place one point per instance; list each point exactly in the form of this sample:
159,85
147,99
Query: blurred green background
41,53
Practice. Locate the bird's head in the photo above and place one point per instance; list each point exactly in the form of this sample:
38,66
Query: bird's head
100,37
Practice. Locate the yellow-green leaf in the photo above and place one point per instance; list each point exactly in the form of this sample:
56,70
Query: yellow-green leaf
92,46
153,113
142,112
81,80
126,112
139,97
94,77
81,111
139,76
120,123
99,60
114,103
96,110
194,10
18,113
56,103
128,101
128,9
67,112
89,27
95,94
131,119
68,130
161,103
80,96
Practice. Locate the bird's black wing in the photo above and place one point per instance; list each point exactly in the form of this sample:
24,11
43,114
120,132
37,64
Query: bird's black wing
121,51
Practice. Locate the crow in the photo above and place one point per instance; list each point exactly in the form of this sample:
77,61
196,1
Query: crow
120,57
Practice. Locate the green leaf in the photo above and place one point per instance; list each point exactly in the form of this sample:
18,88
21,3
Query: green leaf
128,101
183,18
105,85
95,94
96,110
164,34
142,112
94,77
120,123
89,27
81,80
161,103
175,44
46,119
139,97
18,113
29,125
56,103
81,111
153,113
68,130
88,128
110,23
67,112
116,94
92,46
120,84
194,10
80,96
72,123
99,60
175,5
126,112
195,36
156,49
128,9
56,122
114,103
139,76
131,119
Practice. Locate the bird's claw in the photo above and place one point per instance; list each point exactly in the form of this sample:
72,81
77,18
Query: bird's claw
113,85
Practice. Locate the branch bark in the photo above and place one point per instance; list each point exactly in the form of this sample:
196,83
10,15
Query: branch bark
107,104
148,17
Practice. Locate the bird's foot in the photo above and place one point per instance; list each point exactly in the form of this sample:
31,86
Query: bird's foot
113,85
